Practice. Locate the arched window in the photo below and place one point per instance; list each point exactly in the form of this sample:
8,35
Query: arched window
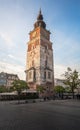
46,63
49,75
45,75
34,75
46,47
32,62
33,47
29,75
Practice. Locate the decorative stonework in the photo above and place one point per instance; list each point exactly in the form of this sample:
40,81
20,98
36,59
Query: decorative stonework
40,58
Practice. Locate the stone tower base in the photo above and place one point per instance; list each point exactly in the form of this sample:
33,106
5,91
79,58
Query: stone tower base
47,89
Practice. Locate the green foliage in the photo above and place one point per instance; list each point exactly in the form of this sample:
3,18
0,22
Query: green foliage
72,79
67,89
19,85
3,89
59,89
40,89
11,89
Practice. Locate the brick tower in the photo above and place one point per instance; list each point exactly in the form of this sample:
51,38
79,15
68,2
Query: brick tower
40,57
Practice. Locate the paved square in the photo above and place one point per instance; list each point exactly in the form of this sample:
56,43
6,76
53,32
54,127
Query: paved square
51,115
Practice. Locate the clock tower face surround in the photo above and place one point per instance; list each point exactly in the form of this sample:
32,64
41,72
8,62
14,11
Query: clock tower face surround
39,65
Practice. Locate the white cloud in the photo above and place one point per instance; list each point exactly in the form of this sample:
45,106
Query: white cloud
66,49
11,56
65,45
59,71
13,68
6,38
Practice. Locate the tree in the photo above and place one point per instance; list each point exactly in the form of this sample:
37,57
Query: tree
40,89
71,79
19,85
67,89
59,89
3,89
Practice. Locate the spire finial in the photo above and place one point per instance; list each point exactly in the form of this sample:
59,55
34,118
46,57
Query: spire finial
40,11
40,16
40,21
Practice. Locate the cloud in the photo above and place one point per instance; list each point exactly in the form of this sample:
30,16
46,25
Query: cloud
59,70
6,38
19,58
11,56
15,33
66,52
66,48
13,68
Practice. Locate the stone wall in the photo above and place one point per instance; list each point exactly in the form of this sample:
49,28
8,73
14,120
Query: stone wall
40,59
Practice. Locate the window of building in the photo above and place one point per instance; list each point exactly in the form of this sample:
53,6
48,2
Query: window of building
2,76
30,75
33,63
45,75
33,47
39,24
46,47
49,75
34,75
45,62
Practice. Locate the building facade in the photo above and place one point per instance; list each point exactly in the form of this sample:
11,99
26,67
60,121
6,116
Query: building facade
60,82
7,79
40,57
3,80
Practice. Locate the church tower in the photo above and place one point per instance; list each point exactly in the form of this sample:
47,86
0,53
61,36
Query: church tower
39,70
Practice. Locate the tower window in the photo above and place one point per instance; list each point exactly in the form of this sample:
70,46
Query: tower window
46,63
34,75
30,75
39,24
49,75
33,63
44,75
46,47
33,47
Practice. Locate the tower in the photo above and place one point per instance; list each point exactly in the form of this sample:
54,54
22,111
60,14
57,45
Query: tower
40,57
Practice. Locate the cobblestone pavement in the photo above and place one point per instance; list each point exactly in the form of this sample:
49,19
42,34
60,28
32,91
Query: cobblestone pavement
51,115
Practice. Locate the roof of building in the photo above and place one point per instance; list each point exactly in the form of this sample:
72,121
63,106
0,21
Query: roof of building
40,21
7,74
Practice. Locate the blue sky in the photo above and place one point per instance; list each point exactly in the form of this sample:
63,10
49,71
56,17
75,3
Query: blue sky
16,21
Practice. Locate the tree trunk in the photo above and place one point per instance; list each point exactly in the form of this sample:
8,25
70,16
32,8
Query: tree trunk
59,95
19,97
73,93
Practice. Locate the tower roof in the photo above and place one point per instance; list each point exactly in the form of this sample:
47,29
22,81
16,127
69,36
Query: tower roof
40,21
40,16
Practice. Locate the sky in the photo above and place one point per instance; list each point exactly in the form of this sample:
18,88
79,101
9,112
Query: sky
17,18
